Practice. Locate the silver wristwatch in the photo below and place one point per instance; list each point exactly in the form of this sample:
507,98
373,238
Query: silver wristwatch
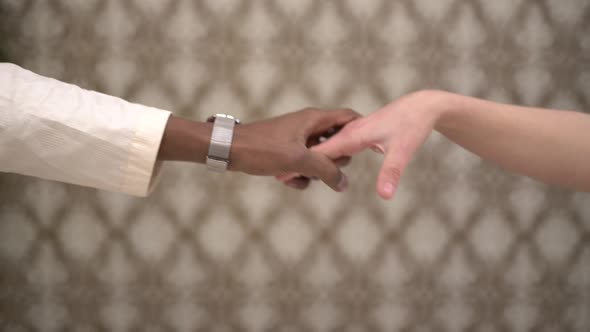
221,139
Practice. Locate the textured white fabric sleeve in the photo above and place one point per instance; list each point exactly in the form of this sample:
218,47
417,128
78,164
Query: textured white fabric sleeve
58,131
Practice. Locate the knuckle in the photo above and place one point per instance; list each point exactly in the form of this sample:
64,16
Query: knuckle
350,112
356,131
310,114
395,173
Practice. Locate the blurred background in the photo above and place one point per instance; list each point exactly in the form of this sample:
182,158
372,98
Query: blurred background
465,246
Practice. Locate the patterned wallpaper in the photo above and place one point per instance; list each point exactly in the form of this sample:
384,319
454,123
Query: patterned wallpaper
465,246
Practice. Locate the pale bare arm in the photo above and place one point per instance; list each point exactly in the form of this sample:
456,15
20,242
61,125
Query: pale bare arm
550,145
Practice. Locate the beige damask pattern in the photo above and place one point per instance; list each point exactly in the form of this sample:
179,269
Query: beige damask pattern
464,247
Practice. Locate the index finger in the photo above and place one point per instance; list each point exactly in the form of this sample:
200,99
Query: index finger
326,119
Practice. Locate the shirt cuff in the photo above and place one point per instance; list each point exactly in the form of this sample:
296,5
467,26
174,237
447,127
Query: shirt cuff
141,173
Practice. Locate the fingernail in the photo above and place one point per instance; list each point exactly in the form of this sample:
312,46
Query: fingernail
378,148
343,183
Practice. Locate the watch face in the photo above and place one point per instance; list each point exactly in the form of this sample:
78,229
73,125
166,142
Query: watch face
220,115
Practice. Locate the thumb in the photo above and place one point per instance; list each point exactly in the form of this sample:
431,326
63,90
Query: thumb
396,159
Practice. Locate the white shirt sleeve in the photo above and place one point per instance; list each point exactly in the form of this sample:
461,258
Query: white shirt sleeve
58,131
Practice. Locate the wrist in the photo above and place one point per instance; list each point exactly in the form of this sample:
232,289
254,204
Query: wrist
200,137
443,107
240,147
185,140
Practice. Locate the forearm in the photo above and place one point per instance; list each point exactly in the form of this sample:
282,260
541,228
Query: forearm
550,145
185,140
